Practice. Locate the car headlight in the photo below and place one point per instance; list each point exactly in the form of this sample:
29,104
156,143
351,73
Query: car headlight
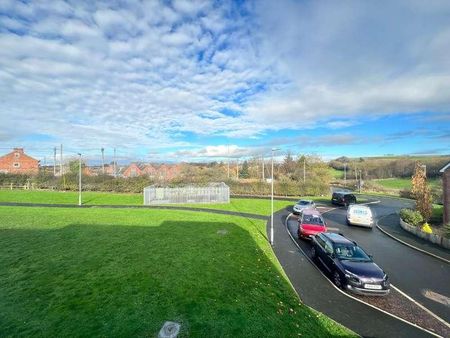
352,277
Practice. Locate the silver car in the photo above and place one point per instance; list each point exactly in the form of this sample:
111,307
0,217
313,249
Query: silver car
302,205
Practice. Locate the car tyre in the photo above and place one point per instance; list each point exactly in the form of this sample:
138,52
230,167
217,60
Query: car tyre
337,280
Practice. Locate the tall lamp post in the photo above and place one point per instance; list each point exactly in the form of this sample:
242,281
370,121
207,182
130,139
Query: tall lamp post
79,180
271,214
424,167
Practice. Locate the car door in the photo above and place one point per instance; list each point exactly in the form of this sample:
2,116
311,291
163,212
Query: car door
328,258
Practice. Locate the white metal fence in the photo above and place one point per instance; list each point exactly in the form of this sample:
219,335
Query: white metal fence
212,193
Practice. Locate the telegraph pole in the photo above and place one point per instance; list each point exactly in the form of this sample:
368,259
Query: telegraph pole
54,161
103,160
263,173
304,169
114,163
61,161
228,160
345,172
360,174
237,169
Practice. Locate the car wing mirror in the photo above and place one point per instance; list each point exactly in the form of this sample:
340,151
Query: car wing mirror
370,256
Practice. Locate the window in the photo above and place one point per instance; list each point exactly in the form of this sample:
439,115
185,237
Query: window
16,165
328,247
16,155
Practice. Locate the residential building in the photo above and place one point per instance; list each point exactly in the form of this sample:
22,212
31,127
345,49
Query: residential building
17,162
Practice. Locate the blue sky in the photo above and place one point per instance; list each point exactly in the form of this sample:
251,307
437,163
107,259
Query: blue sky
198,80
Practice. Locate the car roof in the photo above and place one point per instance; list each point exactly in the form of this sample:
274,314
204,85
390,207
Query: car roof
359,206
311,212
343,193
337,238
309,201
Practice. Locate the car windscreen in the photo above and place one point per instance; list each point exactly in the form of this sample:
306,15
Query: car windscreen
312,219
350,252
303,203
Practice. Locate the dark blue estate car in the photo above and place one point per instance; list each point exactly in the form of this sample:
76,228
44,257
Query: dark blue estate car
348,264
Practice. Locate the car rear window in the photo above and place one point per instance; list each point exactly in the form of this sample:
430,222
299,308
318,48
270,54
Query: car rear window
312,219
361,212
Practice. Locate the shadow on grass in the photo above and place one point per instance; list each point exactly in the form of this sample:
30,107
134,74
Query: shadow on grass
122,280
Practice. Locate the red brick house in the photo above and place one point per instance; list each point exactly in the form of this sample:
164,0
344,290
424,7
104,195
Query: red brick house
149,170
132,170
446,192
17,162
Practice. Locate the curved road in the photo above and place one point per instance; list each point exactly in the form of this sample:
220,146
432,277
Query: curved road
411,271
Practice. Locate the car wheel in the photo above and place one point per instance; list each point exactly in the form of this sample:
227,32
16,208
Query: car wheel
337,279
313,253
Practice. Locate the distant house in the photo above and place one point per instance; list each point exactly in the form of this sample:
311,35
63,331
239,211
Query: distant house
17,162
149,170
446,192
132,170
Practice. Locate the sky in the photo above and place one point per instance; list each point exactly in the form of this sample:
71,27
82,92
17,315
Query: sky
202,80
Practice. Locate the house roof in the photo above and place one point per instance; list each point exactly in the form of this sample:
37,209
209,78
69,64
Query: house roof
445,168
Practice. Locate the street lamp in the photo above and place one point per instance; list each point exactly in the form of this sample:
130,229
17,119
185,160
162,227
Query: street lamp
79,180
424,166
271,214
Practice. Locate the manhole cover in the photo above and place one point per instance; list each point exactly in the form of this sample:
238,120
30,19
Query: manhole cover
222,232
169,330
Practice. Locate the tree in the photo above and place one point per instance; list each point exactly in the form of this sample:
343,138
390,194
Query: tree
421,192
244,170
288,166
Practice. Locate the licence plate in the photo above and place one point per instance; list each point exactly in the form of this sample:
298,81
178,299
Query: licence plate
372,286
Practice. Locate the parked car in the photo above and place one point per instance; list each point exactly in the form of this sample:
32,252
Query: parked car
359,215
303,204
310,223
349,265
343,198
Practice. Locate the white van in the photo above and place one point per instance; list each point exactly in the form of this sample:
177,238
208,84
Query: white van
359,215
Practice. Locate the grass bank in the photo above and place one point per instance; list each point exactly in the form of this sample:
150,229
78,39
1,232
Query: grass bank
117,272
248,205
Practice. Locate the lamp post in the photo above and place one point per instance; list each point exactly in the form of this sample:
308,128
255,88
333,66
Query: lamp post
345,172
424,166
79,180
271,214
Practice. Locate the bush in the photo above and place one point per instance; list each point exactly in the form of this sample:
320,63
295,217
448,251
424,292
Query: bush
411,217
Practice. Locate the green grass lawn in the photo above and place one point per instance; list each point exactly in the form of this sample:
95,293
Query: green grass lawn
402,183
337,174
254,206
123,272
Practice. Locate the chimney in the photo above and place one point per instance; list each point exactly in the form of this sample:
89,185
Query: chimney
18,150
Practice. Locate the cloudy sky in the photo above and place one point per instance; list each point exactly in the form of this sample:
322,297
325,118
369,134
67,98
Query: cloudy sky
194,80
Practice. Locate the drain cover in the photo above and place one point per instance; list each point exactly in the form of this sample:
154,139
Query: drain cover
169,330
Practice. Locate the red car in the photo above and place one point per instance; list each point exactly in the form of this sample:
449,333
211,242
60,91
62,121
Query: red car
310,223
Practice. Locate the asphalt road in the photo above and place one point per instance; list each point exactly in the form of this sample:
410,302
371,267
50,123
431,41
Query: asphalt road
411,271
317,292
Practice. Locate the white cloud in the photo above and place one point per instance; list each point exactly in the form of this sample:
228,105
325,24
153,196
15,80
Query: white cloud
144,74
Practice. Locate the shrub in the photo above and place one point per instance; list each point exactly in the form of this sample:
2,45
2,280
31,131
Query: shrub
411,216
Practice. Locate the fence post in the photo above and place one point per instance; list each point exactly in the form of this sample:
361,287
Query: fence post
11,186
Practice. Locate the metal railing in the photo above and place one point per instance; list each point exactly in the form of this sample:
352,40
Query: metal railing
213,193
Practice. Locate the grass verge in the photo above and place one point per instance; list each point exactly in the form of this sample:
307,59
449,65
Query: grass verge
248,205
108,272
